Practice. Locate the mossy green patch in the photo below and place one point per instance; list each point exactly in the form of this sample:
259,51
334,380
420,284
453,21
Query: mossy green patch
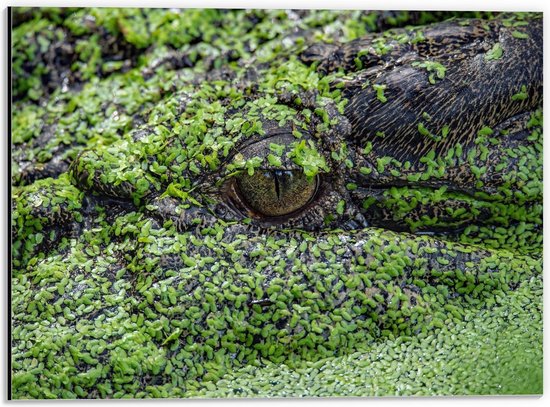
132,278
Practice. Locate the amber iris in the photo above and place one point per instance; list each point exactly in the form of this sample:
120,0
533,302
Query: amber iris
275,193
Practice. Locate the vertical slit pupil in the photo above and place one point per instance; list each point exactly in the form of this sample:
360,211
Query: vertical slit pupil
277,187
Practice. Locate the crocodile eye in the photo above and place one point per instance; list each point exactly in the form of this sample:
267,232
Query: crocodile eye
273,193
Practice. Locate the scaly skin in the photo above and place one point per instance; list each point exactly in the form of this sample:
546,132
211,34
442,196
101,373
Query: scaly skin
141,270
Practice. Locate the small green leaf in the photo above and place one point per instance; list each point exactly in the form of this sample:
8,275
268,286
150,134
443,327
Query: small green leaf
520,35
340,207
522,95
495,53
274,160
380,92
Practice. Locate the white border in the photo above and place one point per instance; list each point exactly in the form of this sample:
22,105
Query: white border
500,5
511,5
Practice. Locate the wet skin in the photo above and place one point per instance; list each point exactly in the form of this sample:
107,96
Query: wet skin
259,215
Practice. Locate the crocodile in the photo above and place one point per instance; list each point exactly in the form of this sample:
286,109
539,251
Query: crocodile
237,203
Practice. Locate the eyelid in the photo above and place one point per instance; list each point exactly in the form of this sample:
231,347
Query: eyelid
312,215
261,147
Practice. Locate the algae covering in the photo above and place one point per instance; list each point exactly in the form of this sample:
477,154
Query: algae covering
255,203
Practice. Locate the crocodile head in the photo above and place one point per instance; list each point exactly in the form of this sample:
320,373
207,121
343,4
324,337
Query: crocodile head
296,209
